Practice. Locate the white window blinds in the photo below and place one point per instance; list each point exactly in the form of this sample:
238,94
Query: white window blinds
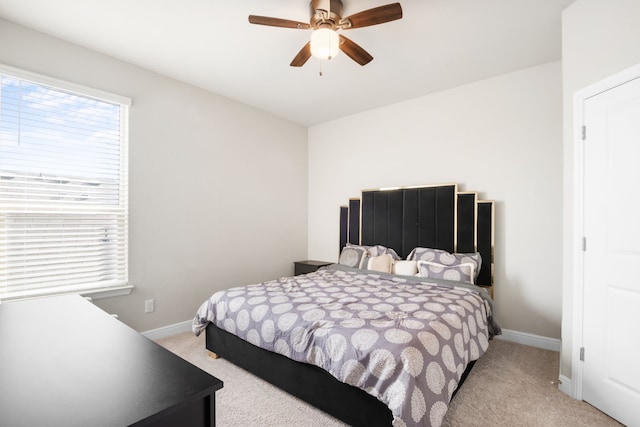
63,188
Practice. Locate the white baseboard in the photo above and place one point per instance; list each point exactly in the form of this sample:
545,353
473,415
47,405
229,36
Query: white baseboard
566,386
532,340
167,331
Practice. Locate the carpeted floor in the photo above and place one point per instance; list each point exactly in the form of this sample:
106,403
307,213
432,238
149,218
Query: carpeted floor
509,386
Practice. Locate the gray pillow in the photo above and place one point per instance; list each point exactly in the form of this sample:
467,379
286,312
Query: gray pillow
352,256
445,258
459,273
376,250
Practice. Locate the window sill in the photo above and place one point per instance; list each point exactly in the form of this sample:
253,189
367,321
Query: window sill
93,293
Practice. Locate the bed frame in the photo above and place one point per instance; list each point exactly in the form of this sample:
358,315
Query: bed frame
401,218
307,382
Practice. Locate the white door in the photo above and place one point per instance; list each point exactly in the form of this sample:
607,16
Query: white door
611,315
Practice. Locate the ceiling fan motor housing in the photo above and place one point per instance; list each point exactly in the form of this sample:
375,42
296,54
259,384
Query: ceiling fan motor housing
325,13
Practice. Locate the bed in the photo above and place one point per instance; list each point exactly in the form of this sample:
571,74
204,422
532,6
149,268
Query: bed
387,334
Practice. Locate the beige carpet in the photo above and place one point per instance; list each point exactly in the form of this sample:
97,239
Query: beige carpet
509,386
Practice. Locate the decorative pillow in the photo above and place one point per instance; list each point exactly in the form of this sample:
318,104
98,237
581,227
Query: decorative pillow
376,250
352,256
382,263
443,257
406,268
459,273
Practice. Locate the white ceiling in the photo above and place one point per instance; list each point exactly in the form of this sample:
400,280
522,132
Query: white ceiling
438,44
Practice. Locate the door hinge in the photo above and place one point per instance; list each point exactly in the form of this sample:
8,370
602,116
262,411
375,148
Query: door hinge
584,133
582,354
584,244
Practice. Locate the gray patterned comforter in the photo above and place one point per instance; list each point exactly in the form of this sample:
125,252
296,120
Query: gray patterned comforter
404,340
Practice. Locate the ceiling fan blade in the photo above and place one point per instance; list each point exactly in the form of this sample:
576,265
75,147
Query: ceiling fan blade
277,22
302,56
354,51
375,16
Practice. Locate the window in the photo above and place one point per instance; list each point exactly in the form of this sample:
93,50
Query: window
63,188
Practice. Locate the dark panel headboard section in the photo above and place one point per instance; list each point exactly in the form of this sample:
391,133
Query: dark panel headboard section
408,217
344,226
354,221
467,214
436,216
486,215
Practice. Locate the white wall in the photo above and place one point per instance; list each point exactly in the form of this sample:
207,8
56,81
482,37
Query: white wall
214,184
502,137
599,38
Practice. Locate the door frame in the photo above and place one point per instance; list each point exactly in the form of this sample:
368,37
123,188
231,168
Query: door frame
579,98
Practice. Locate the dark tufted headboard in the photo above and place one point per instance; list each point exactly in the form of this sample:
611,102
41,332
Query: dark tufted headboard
434,216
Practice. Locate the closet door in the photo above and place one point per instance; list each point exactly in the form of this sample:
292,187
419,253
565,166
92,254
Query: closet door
611,341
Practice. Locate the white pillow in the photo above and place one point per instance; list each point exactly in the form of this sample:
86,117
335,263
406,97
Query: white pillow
406,268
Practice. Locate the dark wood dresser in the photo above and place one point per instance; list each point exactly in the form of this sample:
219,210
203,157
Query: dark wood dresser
65,362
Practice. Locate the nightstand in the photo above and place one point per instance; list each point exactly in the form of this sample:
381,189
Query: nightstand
308,266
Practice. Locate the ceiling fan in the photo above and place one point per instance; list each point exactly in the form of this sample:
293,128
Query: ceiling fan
326,20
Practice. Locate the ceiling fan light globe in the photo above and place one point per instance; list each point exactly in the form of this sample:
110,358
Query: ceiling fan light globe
325,43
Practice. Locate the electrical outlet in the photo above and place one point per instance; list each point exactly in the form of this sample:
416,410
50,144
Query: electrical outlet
149,306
